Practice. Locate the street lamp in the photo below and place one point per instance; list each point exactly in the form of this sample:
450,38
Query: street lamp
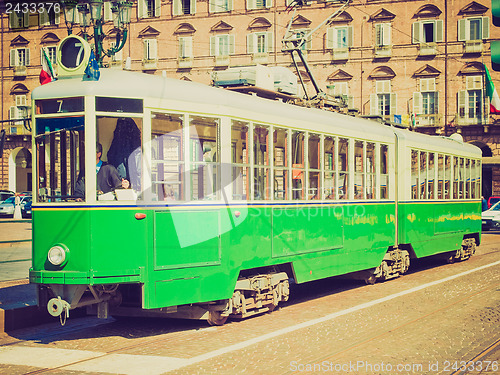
90,13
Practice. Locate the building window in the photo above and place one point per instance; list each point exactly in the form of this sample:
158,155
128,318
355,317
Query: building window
18,20
427,32
341,90
181,7
150,49
221,6
260,42
425,103
222,45
472,103
49,18
473,29
339,39
383,102
383,40
259,4
149,8
51,54
185,47
19,57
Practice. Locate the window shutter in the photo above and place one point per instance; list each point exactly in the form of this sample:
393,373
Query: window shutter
193,6
462,103
269,42
212,4
474,83
153,49
108,15
157,8
12,20
13,57
269,3
251,43
387,34
417,102
251,4
415,32
231,40
373,104
27,54
350,101
462,26
383,86
186,46
378,34
26,19
176,7
485,23
330,38
439,31
20,100
350,33
427,84
213,43
230,5
44,18
393,103
13,113
142,9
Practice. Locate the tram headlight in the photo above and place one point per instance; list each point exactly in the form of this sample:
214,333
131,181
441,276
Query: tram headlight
58,255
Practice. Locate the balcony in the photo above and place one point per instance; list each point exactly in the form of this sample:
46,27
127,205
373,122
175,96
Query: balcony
382,51
260,58
222,60
427,49
185,62
429,120
149,64
473,46
20,71
340,54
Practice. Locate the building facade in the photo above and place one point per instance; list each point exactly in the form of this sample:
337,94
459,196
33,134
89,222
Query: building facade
420,64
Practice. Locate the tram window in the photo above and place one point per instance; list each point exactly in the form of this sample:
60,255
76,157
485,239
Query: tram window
329,168
456,178
204,155
461,174
467,179
384,172
104,104
447,177
63,105
261,162
430,176
370,171
280,141
314,165
167,156
423,175
478,179
343,168
240,160
440,186
121,140
415,179
60,158
298,171
359,169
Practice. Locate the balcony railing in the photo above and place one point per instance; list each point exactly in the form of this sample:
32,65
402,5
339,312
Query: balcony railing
222,60
473,46
429,120
340,54
20,71
260,58
427,49
185,62
149,64
383,51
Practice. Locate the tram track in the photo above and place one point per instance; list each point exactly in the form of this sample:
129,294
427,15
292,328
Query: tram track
368,341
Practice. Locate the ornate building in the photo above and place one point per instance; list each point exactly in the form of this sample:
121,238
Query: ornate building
416,63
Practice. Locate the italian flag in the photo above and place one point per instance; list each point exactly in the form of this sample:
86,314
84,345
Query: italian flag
47,74
492,93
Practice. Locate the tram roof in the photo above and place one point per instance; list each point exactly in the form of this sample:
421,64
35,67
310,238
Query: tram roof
126,84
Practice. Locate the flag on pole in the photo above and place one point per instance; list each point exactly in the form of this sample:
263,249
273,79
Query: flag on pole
492,93
92,72
47,74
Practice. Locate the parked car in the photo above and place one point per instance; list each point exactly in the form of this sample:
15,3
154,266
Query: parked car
8,206
492,200
26,207
5,194
491,217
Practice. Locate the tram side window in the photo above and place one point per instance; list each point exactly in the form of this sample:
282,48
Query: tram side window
359,169
370,171
298,172
204,155
447,177
440,186
314,143
120,139
423,175
478,179
280,163
329,165
456,178
167,150
60,157
415,179
384,172
461,178
261,162
430,176
467,179
240,160
343,167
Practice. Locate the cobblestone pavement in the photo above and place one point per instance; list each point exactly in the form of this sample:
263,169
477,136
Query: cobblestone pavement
426,322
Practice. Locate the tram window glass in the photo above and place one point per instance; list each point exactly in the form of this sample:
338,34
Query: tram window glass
204,155
473,179
60,156
423,175
440,187
240,159
478,179
314,142
447,177
467,179
415,185
456,178
280,141
167,157
359,169
384,172
63,105
343,168
121,139
329,168
461,179
430,176
104,104
261,162
370,171
298,171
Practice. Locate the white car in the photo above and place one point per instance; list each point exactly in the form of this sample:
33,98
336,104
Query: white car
491,217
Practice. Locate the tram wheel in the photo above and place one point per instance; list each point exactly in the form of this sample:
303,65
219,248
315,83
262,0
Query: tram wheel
215,318
372,279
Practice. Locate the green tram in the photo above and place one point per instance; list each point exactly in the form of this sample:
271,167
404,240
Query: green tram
231,197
